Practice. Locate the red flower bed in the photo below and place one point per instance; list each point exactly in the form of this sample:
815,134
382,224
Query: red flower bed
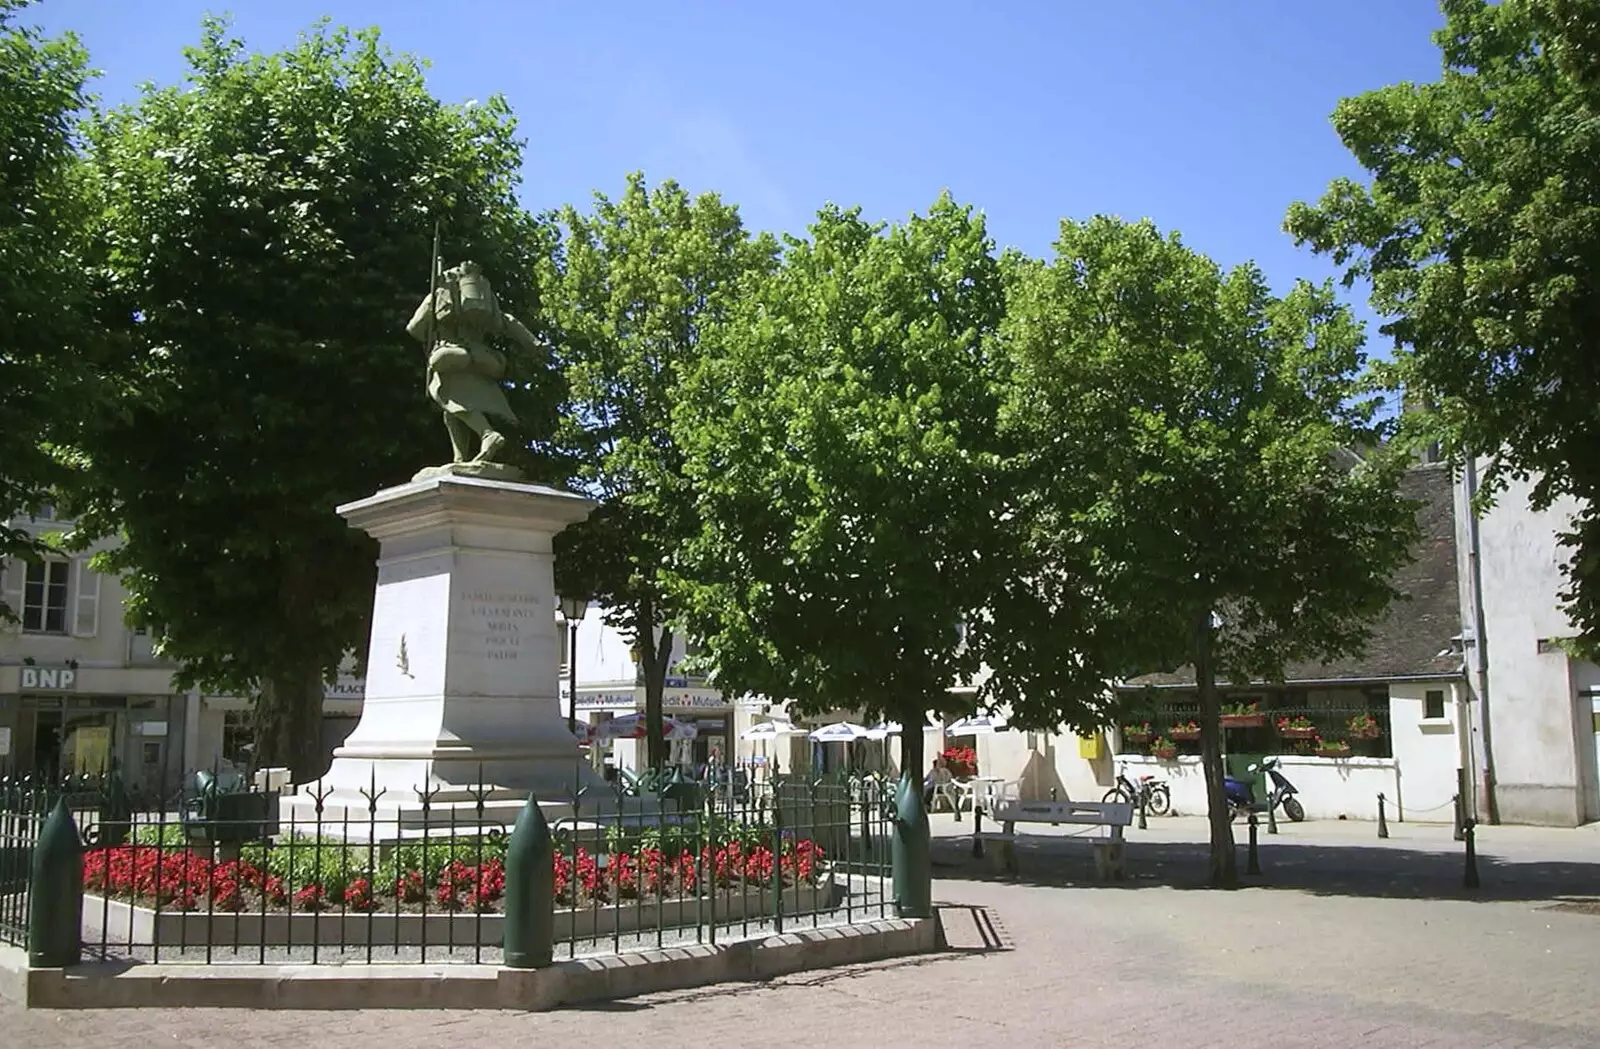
178,879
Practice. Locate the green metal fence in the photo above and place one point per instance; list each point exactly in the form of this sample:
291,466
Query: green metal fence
237,877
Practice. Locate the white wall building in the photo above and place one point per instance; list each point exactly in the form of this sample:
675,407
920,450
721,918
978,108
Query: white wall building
1410,682
1537,729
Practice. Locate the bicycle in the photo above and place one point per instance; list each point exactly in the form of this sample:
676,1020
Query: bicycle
1153,792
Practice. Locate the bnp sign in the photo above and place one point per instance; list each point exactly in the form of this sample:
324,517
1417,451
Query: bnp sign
49,679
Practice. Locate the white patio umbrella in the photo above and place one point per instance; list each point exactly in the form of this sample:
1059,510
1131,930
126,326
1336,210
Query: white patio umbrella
842,732
771,730
976,725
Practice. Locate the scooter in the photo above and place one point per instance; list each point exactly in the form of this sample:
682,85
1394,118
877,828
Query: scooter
1241,795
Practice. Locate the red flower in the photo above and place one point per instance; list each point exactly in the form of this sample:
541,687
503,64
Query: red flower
410,888
310,898
358,896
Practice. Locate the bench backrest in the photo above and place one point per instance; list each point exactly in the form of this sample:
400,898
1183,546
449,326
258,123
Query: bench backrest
1014,811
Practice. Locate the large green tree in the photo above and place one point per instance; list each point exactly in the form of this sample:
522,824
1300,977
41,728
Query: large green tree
267,232
841,446
630,290
46,335
1479,231
1196,468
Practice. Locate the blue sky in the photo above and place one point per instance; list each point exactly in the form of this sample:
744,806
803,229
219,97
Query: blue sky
1207,117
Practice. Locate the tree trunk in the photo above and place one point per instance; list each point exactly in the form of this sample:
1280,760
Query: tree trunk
288,724
655,654
913,760
1224,865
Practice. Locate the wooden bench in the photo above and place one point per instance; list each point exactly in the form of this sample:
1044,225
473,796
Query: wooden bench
1110,862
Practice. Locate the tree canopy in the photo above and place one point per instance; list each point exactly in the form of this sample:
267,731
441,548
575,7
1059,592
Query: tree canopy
841,443
46,331
1197,478
266,232
1480,233
629,292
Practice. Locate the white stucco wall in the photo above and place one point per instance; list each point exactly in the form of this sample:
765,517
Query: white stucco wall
1039,762
1541,775
1418,782
1328,788
1427,752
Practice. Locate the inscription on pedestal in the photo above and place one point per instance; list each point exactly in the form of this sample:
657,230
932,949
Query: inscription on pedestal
501,620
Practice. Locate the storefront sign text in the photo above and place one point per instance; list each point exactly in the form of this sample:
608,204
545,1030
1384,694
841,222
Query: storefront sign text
49,679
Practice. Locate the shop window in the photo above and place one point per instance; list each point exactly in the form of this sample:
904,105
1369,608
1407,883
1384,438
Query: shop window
44,597
1433,704
238,736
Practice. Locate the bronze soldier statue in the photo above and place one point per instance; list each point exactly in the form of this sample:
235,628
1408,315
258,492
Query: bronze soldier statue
457,322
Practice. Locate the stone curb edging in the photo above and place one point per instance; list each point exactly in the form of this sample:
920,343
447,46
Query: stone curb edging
102,985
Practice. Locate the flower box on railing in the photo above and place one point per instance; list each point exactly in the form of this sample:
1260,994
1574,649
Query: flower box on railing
1243,720
1327,749
1187,732
1364,726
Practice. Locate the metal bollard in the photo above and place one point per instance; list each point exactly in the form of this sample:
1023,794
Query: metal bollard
1383,823
529,926
55,894
1253,861
1272,815
1461,818
1053,798
977,833
1471,879
910,853
1144,824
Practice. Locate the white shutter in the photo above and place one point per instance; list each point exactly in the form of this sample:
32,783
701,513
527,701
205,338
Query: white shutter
13,573
86,611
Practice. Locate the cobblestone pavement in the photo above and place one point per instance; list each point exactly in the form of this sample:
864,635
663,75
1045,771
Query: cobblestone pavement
1351,941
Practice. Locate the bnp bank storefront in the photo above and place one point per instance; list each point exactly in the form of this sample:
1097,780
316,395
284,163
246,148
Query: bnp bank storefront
65,720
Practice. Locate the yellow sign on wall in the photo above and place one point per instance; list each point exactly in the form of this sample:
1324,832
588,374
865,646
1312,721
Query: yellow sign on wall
1091,747
91,747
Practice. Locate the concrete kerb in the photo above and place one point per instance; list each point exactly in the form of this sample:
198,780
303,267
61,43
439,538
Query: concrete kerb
602,978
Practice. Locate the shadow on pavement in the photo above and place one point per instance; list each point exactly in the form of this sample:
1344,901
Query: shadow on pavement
1393,872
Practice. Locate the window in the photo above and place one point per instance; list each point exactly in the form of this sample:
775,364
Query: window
237,736
1433,704
44,597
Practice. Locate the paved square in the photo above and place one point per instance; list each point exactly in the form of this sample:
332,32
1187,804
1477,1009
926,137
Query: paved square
1356,942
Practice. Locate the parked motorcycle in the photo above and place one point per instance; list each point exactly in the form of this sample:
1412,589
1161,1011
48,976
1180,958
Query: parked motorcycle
1157,798
1241,794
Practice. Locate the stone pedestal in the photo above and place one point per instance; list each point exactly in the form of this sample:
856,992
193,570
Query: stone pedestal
463,668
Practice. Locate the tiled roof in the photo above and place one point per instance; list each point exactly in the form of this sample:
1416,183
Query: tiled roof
1415,636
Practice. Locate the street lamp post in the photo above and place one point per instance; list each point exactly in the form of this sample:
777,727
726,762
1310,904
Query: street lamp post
573,610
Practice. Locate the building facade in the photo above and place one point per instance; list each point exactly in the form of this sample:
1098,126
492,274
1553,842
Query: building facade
80,691
1536,730
83,692
611,684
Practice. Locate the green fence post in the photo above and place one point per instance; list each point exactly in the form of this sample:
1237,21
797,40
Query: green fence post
530,921
911,853
55,897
